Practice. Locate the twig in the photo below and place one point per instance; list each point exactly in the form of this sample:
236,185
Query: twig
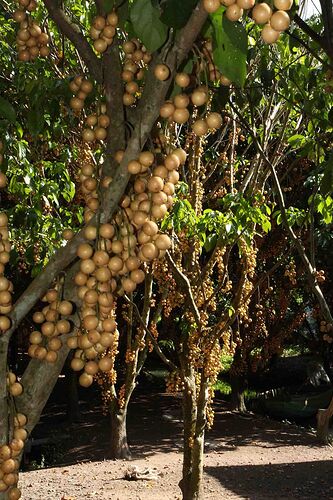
185,284
157,348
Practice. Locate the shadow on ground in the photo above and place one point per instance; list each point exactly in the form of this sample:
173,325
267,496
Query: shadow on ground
286,481
154,425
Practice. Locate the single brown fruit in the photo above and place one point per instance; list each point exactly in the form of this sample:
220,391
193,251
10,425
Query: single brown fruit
88,135
86,380
8,466
246,4
106,230
76,103
181,101
14,494
5,452
146,158
280,21
112,19
100,133
211,6
128,285
103,274
91,367
77,364
105,364
84,251
182,80
261,13
67,234
181,115
163,242
90,322
161,72
200,127
134,167
35,337
100,45
283,4
16,389
214,120
167,110
65,308
4,323
269,35
20,420
233,12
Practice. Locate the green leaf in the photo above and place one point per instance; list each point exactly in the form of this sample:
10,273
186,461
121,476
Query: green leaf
326,185
230,51
7,111
147,25
176,14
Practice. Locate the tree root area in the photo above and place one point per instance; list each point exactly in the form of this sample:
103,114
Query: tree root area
246,456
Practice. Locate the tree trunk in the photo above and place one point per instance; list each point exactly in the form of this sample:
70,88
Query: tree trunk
237,393
4,420
189,422
38,382
323,420
4,431
73,408
195,491
119,448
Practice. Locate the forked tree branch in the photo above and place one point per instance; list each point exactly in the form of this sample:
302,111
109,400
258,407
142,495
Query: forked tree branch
145,117
184,283
73,33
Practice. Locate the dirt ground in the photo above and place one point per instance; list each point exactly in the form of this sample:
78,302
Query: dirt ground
246,456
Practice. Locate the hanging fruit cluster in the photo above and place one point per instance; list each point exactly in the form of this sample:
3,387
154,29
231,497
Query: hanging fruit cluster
290,272
31,41
136,58
96,126
9,458
325,328
89,186
6,287
214,73
81,87
103,30
112,264
14,387
275,22
52,320
320,276
176,110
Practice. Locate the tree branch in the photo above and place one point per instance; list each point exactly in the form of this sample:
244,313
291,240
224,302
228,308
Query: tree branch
72,32
157,348
184,283
146,113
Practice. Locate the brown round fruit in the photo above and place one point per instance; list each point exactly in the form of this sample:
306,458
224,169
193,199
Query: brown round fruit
86,380
211,6
233,12
200,127
161,72
182,80
283,4
246,4
214,120
84,251
269,35
261,13
280,21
